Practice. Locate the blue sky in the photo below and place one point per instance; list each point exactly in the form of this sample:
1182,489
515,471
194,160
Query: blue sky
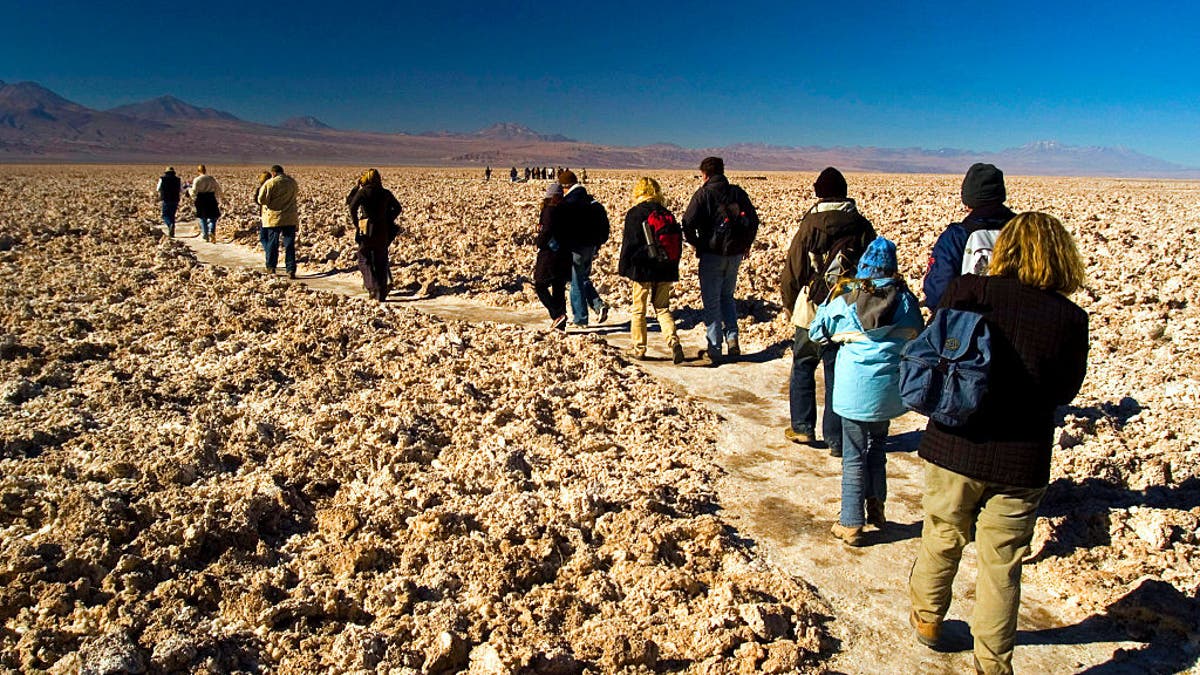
899,74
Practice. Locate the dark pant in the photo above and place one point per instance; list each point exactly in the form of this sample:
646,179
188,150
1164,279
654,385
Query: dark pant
802,392
553,295
273,237
168,216
373,264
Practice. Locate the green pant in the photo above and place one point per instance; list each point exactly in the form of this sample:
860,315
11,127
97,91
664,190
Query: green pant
1002,518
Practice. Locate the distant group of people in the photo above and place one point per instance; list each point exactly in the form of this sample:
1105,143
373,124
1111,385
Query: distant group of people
535,173
852,313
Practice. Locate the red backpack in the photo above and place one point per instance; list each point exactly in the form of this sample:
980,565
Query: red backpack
664,236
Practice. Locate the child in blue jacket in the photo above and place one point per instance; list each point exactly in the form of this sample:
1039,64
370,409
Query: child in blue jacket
871,316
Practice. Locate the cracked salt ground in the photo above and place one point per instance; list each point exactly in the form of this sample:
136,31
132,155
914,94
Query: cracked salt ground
280,469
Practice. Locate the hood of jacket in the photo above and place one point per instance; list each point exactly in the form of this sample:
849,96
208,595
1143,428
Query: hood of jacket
987,217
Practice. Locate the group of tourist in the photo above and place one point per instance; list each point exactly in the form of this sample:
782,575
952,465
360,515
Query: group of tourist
853,313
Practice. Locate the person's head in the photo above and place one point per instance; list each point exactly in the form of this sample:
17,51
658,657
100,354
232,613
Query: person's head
647,190
878,261
567,177
830,184
264,177
201,169
983,185
554,193
170,169
371,177
276,170
712,166
1038,250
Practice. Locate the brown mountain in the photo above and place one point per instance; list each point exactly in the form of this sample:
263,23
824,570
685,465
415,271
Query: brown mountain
37,124
170,109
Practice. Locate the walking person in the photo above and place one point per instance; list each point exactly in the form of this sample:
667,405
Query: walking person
967,246
721,223
373,213
650,249
984,480
872,316
168,188
207,195
281,218
585,224
487,174
552,268
827,245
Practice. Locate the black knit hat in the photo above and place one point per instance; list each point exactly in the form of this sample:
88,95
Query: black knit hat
831,184
983,184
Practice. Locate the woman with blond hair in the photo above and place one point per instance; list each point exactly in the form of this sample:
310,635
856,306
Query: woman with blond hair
650,251
985,479
378,207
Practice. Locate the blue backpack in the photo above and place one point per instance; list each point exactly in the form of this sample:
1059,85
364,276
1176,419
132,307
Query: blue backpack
944,370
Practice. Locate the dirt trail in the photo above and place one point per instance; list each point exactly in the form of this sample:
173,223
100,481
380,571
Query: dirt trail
786,496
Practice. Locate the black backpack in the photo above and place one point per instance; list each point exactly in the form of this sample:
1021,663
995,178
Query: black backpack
839,260
730,226
599,229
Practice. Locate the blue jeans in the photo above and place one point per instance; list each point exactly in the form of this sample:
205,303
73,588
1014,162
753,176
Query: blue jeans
718,279
802,391
168,216
262,236
583,293
273,237
208,227
864,468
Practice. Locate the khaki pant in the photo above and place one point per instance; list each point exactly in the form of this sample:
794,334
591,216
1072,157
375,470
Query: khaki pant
1002,517
658,293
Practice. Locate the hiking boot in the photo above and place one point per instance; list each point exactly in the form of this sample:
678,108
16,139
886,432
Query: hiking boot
927,633
875,515
291,274
559,323
636,354
269,270
733,349
677,354
850,535
602,314
804,437
708,357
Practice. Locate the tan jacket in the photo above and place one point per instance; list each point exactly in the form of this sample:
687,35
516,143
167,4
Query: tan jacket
278,197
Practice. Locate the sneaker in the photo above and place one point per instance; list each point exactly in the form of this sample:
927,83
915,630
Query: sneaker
677,354
850,535
602,315
875,513
559,324
794,436
733,349
927,633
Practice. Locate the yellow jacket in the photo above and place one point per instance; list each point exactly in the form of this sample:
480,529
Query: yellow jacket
278,197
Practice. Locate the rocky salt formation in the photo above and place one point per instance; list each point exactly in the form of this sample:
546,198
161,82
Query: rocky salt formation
209,470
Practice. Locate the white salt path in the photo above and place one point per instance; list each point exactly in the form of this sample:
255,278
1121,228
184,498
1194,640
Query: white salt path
785,497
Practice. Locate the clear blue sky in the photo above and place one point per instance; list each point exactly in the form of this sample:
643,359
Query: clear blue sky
982,76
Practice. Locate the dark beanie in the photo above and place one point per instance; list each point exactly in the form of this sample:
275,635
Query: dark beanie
984,184
831,184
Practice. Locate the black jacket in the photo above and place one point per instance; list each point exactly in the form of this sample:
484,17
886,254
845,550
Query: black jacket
636,263
376,205
818,231
581,220
169,187
553,257
1039,359
702,215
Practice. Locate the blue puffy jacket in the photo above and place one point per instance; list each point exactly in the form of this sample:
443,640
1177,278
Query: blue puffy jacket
867,372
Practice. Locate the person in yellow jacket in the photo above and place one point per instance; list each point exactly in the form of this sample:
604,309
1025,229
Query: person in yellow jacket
280,218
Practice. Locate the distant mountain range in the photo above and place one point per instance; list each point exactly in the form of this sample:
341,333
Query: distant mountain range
38,125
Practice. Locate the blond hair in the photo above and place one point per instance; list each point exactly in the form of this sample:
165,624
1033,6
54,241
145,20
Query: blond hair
370,177
263,177
201,169
1038,250
647,190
